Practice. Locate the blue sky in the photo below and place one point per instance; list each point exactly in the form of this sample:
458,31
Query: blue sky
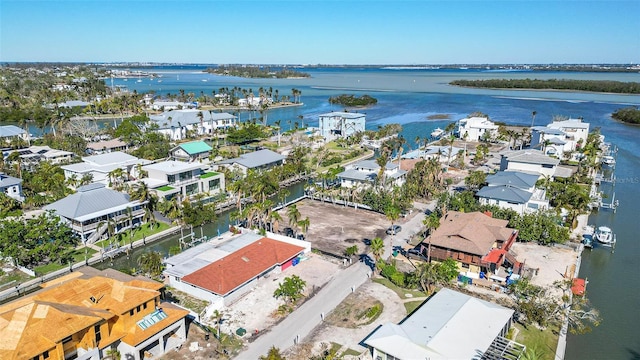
322,32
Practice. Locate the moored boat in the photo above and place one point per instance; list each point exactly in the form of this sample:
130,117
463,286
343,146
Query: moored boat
605,236
437,133
587,236
608,160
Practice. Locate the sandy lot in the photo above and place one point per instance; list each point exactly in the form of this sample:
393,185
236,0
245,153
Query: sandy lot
333,228
553,262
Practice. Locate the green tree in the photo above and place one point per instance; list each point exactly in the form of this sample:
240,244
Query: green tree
151,263
377,247
290,289
273,354
475,179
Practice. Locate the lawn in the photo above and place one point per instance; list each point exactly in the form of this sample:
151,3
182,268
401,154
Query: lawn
411,306
12,278
123,237
543,341
78,255
402,293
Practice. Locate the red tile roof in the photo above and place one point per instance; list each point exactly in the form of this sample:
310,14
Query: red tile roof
494,256
235,269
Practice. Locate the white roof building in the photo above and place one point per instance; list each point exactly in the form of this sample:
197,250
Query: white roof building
450,325
176,123
475,128
337,124
99,166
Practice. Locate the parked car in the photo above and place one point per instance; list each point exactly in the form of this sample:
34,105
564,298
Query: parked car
392,230
415,254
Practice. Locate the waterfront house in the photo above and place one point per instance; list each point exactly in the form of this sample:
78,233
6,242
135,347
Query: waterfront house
191,151
106,146
33,155
450,325
90,210
10,132
100,166
340,125
88,312
560,137
223,272
11,186
476,241
529,160
178,178
365,173
476,128
257,160
176,124
576,130
440,153
513,190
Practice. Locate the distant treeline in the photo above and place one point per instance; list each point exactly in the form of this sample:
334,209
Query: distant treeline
629,115
257,72
606,86
352,100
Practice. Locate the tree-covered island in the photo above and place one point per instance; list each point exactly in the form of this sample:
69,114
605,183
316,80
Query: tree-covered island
629,115
256,72
604,86
352,100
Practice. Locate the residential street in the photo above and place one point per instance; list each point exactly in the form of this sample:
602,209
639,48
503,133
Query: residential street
302,321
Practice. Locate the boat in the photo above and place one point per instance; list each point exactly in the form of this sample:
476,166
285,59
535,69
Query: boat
587,236
605,236
608,160
437,133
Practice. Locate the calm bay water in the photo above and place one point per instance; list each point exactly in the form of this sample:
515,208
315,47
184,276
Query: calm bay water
408,97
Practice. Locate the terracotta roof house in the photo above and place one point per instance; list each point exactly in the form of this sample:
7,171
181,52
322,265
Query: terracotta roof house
478,242
85,313
223,273
450,325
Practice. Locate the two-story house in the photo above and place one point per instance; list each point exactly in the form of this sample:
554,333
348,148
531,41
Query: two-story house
476,241
560,137
191,151
177,123
100,166
476,128
513,190
529,160
177,178
365,173
340,125
11,186
257,160
89,211
88,312
9,132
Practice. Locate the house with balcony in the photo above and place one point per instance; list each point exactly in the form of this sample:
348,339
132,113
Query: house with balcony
11,186
106,146
100,166
449,325
176,124
365,173
529,160
177,178
340,125
476,241
93,207
476,128
513,190
191,151
257,160
33,155
222,272
88,312
560,137
10,132
440,153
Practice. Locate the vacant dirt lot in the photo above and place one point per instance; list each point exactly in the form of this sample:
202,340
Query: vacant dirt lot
333,228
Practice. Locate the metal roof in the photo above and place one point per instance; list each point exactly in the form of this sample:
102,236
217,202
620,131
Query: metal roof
513,178
11,130
195,147
450,325
116,157
172,166
530,156
91,201
6,181
547,130
346,115
187,117
505,193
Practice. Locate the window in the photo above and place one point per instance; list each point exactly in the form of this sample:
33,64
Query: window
144,306
465,266
98,336
131,312
138,308
214,184
45,355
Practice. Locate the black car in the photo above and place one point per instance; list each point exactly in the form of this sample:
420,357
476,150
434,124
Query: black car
392,230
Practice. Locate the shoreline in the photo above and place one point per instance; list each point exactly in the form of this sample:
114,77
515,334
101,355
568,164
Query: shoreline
546,90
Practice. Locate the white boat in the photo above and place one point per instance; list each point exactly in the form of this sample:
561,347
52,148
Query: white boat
587,236
605,236
437,133
608,160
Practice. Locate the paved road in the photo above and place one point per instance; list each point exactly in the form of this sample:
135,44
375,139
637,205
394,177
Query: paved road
302,321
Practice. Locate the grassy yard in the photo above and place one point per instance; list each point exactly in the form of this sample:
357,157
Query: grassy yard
402,293
144,230
78,255
543,341
12,278
410,306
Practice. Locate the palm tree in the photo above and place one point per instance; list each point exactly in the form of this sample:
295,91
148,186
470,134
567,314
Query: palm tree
428,275
533,117
392,213
432,222
151,263
304,225
294,216
113,354
377,247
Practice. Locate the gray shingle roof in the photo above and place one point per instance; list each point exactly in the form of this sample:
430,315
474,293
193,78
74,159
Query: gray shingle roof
187,117
255,159
513,178
353,174
90,201
505,193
